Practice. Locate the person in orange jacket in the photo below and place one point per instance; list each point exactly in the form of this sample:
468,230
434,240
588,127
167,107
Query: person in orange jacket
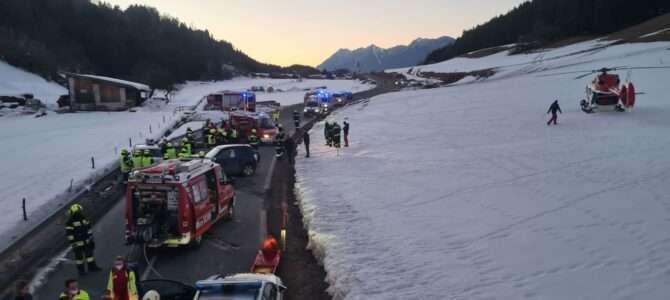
122,284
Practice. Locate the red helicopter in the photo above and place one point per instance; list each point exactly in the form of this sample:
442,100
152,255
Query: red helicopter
606,92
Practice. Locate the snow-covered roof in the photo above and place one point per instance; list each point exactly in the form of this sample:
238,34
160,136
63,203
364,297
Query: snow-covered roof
136,85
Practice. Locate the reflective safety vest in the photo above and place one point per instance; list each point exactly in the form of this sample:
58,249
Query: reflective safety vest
233,134
253,140
188,148
137,162
131,286
126,164
171,153
82,295
184,155
211,140
147,161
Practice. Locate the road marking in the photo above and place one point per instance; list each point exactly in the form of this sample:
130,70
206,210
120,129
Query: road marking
149,268
268,177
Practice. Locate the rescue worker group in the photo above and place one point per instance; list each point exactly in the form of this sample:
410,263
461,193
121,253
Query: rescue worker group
122,280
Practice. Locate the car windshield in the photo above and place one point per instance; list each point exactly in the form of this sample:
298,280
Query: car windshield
266,123
230,291
312,104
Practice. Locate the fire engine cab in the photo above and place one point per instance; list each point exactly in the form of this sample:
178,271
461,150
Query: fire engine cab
231,101
245,122
175,202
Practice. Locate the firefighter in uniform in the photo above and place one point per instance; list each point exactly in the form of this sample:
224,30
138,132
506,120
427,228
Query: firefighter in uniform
170,151
80,236
137,160
253,139
189,133
183,154
210,137
279,143
296,119
335,132
147,160
126,164
275,117
186,146
221,136
233,135
327,135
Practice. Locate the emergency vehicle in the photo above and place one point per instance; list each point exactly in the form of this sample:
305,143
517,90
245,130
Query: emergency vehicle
317,102
175,202
231,101
342,98
245,122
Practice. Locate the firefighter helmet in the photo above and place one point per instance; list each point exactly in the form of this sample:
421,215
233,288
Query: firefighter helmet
151,295
253,130
75,208
170,144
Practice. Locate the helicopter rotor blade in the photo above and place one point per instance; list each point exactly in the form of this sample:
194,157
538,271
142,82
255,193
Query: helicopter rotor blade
584,75
566,73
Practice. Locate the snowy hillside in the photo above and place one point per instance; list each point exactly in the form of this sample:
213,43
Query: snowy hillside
465,193
14,81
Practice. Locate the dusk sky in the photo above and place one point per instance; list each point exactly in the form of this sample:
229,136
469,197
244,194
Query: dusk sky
308,31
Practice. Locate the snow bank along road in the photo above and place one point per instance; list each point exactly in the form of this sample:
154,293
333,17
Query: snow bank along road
465,193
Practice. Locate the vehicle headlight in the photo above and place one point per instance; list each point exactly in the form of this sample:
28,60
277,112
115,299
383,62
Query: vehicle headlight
304,110
325,105
267,136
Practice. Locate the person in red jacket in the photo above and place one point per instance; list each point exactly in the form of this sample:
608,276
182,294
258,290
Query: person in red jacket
121,284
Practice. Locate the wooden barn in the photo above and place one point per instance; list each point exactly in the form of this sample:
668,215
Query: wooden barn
92,92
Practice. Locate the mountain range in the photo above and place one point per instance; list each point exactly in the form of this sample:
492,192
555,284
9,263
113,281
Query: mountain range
374,58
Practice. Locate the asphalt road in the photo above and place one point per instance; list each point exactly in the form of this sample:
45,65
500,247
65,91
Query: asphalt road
230,247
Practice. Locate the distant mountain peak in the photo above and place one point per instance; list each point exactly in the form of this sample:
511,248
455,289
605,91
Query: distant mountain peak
375,58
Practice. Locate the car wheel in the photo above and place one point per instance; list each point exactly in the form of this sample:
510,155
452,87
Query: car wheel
248,170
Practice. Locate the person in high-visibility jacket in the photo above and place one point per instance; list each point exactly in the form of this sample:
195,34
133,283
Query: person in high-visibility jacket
73,292
136,160
183,154
186,144
221,136
80,236
170,151
335,133
253,139
275,117
147,160
126,164
210,137
122,283
233,135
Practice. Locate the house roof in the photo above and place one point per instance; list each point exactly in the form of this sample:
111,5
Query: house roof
135,85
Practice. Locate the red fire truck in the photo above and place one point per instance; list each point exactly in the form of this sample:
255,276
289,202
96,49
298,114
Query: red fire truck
175,202
231,101
245,122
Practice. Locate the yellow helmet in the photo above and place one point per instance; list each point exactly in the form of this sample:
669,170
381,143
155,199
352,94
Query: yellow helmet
253,130
75,208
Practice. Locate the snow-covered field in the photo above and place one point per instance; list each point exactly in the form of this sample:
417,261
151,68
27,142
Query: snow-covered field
41,156
465,193
14,81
